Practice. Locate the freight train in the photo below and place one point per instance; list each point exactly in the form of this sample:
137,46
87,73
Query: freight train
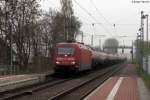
78,57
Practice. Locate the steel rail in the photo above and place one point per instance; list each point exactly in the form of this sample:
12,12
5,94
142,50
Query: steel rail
107,73
29,91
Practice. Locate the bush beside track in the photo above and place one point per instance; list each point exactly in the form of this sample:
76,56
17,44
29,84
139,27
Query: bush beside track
144,75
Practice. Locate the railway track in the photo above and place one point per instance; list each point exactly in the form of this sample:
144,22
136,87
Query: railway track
10,95
76,93
64,89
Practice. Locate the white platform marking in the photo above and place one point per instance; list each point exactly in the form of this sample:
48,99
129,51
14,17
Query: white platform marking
96,90
115,89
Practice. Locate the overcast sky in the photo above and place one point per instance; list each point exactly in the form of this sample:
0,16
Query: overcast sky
104,14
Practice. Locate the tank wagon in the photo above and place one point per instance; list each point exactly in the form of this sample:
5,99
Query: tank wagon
79,57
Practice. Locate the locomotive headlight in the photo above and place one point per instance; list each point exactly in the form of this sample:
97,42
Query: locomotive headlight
57,62
73,62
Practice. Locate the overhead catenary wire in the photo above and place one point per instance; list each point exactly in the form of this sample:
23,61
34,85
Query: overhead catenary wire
108,22
122,19
93,17
99,12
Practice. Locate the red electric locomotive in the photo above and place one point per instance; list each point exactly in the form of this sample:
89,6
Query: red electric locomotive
72,56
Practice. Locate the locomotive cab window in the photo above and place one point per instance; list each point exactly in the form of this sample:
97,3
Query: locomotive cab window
66,50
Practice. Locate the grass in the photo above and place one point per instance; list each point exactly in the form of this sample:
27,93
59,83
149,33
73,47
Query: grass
144,75
135,61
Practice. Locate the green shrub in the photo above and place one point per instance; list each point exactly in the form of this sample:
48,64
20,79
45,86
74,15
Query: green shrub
144,75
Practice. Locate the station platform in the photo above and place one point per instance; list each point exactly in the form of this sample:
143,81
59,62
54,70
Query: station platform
16,81
125,85
10,82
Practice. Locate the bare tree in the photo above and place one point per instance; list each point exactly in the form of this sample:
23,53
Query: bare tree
71,25
20,17
31,33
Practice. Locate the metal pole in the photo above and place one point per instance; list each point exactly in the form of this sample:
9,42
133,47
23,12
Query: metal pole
100,44
92,40
82,37
132,51
67,28
11,63
141,39
137,49
147,30
123,46
92,35
142,24
147,42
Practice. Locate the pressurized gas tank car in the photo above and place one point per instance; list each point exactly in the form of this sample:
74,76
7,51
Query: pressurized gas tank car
72,56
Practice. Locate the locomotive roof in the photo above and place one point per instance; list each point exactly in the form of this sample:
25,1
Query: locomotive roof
82,45
67,43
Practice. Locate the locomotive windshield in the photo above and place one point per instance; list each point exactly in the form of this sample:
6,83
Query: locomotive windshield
66,50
